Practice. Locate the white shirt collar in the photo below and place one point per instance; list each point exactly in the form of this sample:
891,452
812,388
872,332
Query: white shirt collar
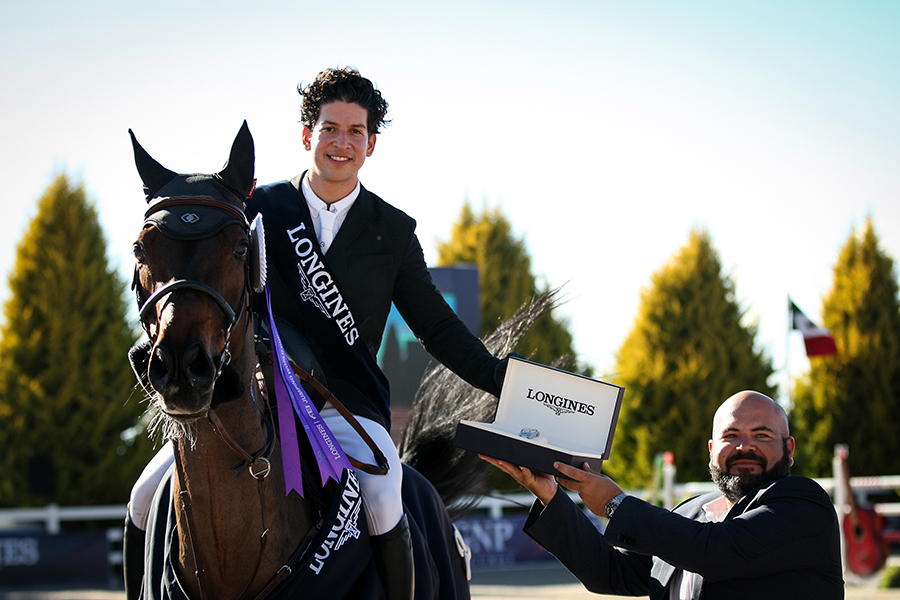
317,205
716,509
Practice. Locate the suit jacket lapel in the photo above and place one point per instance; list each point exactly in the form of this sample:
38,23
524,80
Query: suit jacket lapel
297,184
697,587
356,220
697,590
664,572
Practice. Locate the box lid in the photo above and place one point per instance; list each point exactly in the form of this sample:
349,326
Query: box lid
569,410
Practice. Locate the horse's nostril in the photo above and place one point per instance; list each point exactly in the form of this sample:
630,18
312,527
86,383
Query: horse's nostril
198,366
161,362
192,368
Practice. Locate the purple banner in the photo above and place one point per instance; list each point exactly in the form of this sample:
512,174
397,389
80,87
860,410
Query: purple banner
287,431
292,398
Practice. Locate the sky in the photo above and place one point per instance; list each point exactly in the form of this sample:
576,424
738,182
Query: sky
604,130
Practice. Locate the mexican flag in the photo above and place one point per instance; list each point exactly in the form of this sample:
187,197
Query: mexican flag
819,341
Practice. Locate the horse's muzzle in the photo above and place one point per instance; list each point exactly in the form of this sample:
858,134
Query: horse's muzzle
183,377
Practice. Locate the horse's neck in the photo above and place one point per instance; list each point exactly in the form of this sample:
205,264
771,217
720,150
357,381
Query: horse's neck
226,510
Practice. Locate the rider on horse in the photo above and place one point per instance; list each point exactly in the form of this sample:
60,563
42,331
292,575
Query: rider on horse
333,243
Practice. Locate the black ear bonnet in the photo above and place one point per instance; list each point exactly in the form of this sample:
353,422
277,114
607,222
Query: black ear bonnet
196,206
184,220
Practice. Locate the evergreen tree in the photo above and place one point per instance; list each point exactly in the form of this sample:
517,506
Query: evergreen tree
66,389
507,283
687,352
853,397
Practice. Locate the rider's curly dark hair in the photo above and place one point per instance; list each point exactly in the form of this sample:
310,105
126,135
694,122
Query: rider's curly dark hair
344,85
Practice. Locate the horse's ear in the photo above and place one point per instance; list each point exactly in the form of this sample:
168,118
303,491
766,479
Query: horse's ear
153,174
238,171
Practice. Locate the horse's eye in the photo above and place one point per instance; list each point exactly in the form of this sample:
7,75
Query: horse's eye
140,254
242,250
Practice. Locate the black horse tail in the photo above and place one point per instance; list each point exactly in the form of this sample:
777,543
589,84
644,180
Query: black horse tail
442,400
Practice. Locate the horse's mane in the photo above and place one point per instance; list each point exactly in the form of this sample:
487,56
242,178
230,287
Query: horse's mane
443,399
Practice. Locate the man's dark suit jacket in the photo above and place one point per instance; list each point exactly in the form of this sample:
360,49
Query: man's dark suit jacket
780,541
376,259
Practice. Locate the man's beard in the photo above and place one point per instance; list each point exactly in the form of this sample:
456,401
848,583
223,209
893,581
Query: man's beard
735,487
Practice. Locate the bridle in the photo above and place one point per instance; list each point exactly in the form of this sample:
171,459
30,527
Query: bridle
147,305
197,286
259,467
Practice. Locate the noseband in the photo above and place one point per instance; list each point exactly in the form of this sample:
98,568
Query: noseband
197,286
191,285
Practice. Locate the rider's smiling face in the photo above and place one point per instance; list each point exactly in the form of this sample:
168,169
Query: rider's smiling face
340,143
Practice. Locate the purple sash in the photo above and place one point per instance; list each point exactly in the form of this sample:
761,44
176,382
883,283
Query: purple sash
292,399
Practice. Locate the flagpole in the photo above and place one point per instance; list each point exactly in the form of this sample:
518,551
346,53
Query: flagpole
787,357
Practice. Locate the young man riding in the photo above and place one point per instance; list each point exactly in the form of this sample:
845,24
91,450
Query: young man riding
372,258
339,256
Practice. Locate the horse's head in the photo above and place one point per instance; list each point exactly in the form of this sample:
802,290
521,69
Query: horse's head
196,262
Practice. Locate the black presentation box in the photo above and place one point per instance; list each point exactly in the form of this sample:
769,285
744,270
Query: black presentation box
547,415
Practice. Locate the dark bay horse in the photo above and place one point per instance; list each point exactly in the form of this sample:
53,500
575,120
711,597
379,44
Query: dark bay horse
222,525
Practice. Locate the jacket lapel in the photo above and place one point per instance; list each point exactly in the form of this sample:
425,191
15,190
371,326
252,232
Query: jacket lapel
663,571
297,184
355,222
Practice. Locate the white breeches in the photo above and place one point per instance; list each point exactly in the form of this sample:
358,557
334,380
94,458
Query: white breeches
381,493
145,487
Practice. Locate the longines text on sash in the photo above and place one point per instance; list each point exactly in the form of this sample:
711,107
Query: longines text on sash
323,284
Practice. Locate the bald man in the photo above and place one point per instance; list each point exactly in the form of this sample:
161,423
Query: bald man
764,534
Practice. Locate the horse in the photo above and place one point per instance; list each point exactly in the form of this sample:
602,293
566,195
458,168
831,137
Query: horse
222,524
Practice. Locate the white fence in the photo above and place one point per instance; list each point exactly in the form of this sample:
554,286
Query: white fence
51,517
